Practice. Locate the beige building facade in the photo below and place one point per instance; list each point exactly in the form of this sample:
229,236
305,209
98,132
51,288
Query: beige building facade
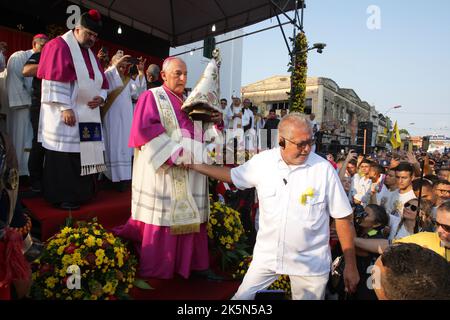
338,110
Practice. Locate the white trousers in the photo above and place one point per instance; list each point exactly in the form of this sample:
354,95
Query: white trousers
21,134
302,287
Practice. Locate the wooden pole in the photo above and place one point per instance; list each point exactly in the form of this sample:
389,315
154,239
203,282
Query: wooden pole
364,143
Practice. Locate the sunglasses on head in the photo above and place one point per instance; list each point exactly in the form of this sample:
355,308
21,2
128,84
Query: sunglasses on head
443,226
411,206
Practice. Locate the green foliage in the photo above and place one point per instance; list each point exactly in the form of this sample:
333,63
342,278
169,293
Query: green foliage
227,234
142,284
299,73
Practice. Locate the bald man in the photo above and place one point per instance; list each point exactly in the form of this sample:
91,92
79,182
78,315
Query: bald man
152,75
170,204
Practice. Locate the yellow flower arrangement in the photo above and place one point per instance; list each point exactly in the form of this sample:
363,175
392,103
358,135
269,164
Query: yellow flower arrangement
227,234
107,268
282,283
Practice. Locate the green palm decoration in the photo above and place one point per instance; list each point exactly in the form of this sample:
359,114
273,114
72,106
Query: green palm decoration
298,73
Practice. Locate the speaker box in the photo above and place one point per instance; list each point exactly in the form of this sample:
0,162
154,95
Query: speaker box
368,126
425,143
334,147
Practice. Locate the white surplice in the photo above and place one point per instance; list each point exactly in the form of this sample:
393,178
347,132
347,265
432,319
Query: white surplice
57,96
116,128
154,197
19,99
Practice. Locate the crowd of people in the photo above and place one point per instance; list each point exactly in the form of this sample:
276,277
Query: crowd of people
398,197
384,215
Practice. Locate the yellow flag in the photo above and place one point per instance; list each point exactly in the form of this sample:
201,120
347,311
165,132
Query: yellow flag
396,141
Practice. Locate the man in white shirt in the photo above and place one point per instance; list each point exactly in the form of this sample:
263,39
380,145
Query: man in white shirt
383,197
19,98
404,173
236,111
227,113
361,182
248,124
298,192
315,125
377,176
383,188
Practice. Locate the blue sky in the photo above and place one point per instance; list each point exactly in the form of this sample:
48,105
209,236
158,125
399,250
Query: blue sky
406,62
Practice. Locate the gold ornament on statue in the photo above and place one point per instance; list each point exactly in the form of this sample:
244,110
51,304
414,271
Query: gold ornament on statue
204,98
12,180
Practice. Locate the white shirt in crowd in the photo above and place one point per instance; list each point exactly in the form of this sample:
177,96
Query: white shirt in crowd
360,186
236,122
398,200
140,85
227,116
384,198
293,234
365,200
248,116
315,126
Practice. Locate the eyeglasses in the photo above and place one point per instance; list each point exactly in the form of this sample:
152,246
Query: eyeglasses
302,144
443,191
409,205
90,33
443,226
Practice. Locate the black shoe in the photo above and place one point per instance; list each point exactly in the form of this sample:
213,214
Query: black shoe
36,187
121,186
207,274
35,251
69,205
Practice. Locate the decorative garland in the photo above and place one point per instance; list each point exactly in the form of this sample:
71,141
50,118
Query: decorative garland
26,228
298,73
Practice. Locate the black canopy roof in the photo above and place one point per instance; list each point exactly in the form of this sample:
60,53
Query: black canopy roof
185,21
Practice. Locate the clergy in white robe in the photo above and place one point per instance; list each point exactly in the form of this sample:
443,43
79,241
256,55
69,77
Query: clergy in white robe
117,116
73,88
141,85
170,204
19,99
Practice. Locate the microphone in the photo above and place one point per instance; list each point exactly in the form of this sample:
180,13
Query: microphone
285,181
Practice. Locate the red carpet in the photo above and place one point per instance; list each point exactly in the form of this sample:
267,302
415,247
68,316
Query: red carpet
182,289
111,208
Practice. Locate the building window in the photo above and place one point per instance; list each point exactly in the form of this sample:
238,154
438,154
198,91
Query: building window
336,112
280,105
308,106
